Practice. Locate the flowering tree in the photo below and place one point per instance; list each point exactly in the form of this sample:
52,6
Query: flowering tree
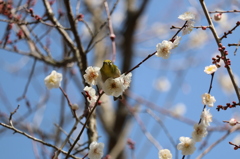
110,79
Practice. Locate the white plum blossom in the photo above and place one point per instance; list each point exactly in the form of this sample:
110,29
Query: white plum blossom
164,48
187,16
176,41
53,80
207,99
188,27
91,97
236,140
210,69
232,122
206,117
113,86
162,84
226,83
178,110
186,145
92,74
165,154
95,150
126,80
199,132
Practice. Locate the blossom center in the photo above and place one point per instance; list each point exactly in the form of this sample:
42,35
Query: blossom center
96,151
207,97
52,79
113,85
186,145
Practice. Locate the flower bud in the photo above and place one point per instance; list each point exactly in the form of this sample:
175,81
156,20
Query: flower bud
218,17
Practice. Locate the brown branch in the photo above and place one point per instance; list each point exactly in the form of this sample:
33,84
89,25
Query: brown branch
12,113
218,41
36,139
112,35
218,141
230,11
84,126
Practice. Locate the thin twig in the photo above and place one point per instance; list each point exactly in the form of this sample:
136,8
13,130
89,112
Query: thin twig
230,11
112,35
218,41
143,128
29,79
85,124
12,113
35,139
217,142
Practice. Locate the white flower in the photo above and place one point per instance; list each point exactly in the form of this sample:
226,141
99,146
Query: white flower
199,132
53,80
113,87
187,16
162,84
226,83
207,99
165,154
163,49
187,145
210,69
91,97
232,122
236,140
126,80
178,110
176,41
96,150
206,117
92,74
188,28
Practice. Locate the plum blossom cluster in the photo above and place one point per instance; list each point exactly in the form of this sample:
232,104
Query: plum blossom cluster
164,48
189,17
187,144
112,86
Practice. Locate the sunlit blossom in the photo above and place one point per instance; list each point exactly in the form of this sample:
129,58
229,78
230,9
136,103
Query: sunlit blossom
95,150
165,154
210,69
53,80
207,99
186,145
113,87
188,27
91,76
206,117
200,131
164,48
187,16
91,95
